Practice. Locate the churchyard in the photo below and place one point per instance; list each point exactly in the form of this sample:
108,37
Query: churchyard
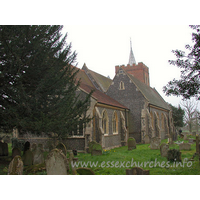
107,162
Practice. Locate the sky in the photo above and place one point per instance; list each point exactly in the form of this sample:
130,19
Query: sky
102,47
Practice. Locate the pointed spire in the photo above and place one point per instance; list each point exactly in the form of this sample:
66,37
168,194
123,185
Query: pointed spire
131,57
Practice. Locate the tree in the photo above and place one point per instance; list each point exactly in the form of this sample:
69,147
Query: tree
189,84
178,116
38,82
190,108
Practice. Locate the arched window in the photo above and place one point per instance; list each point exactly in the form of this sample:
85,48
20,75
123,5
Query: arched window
105,122
121,86
115,123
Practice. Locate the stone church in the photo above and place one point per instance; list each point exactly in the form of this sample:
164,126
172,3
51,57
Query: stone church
121,108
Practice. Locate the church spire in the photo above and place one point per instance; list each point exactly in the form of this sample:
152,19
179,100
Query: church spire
131,57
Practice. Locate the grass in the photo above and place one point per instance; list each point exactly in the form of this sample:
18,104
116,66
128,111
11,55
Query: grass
113,162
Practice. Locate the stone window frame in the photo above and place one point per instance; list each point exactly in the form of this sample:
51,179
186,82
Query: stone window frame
115,123
105,121
121,85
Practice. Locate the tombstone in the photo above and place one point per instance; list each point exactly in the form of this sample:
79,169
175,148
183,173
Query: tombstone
184,146
38,156
191,141
137,171
155,143
164,149
85,171
131,143
56,163
3,149
95,148
28,158
16,166
146,139
174,155
62,147
26,146
16,152
185,137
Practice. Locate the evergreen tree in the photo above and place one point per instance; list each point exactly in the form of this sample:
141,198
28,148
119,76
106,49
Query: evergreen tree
189,84
178,116
38,83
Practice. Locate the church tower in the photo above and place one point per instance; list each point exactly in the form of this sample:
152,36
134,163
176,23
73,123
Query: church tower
139,71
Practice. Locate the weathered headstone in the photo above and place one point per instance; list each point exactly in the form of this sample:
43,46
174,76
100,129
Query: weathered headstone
146,139
28,158
62,147
33,146
56,163
26,146
184,146
16,152
164,149
185,137
85,171
174,155
38,156
155,143
131,143
95,148
16,166
191,141
137,171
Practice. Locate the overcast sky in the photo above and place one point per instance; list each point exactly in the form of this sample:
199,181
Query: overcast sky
102,47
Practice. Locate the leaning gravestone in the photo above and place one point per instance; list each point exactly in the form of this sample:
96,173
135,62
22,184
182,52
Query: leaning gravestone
56,163
137,171
16,152
164,149
28,158
131,143
155,143
85,171
16,166
62,147
38,156
184,146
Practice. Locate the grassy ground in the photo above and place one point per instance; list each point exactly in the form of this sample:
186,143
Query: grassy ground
116,161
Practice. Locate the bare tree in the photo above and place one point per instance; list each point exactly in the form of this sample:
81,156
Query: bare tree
191,113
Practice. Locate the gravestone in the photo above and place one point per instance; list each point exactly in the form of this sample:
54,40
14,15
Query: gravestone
155,143
131,143
185,137
164,149
137,171
95,148
3,149
26,146
191,141
85,171
28,158
16,166
174,155
38,156
16,152
56,163
146,139
62,147
184,146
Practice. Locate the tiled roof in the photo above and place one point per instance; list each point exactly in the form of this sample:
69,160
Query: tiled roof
102,81
149,93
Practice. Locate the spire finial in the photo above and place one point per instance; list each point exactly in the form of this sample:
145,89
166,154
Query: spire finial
131,57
